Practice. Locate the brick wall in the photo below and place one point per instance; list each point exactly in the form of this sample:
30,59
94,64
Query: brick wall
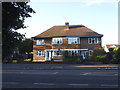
48,45
84,44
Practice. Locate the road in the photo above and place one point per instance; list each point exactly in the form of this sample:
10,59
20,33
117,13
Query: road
63,78
43,66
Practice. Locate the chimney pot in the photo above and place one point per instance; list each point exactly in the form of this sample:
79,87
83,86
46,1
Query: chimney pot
67,25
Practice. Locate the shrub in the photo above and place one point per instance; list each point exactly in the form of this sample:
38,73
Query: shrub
99,55
116,56
71,59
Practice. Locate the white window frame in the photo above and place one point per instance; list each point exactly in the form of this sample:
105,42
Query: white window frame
72,40
40,53
90,52
40,42
56,40
92,40
55,53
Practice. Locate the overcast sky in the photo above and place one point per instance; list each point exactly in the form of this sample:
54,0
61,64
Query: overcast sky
98,15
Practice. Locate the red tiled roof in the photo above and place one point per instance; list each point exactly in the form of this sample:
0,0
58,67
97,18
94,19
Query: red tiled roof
112,45
74,30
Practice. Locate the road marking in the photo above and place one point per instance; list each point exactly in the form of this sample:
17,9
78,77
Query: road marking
107,85
41,73
55,72
86,73
78,84
116,74
44,83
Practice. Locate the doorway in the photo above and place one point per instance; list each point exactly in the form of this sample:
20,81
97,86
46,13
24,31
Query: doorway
48,56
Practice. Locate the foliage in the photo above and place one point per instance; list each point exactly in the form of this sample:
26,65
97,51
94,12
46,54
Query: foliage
13,16
67,58
113,56
26,46
111,49
116,56
99,55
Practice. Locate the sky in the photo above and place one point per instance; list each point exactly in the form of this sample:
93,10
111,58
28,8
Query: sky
99,15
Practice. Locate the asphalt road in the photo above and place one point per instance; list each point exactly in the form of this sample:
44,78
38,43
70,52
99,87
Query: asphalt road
60,79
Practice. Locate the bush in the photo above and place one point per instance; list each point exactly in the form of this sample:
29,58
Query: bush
71,59
116,56
99,55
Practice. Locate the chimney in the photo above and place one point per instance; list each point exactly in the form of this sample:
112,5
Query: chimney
67,25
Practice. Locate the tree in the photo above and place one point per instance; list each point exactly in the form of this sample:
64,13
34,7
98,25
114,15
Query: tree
13,16
26,46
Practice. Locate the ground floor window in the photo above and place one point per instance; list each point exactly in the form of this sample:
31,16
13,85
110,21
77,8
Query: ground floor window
90,52
57,53
39,53
69,52
74,52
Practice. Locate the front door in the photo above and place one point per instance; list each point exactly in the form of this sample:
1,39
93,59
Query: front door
48,56
83,54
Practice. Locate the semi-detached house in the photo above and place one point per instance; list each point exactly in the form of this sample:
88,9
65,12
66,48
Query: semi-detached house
75,39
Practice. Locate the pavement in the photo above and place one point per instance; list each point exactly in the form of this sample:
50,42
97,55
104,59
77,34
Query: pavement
56,66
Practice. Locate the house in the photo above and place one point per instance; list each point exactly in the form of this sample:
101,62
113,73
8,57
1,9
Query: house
107,46
75,39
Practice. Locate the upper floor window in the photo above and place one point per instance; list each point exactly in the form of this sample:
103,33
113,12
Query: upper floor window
93,40
39,42
57,41
40,53
74,40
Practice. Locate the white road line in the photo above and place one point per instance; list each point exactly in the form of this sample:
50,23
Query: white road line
85,73
41,73
116,74
107,85
78,84
44,83
55,73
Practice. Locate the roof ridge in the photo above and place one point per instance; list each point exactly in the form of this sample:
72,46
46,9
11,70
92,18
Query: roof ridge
71,25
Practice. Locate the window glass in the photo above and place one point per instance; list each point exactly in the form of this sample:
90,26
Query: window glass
93,40
57,53
90,52
73,40
40,53
39,42
57,41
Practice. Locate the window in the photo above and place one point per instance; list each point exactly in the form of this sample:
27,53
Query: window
57,53
90,52
39,42
57,41
40,53
74,53
79,52
93,40
73,40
